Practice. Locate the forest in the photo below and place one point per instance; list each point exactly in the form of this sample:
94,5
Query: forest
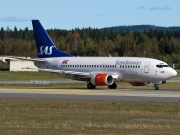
153,43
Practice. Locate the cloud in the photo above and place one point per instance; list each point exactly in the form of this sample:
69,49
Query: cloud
161,8
97,15
167,8
141,7
14,19
155,8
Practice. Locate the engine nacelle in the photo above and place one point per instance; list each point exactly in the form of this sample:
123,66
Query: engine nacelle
141,83
102,79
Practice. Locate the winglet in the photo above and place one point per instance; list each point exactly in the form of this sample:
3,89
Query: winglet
44,44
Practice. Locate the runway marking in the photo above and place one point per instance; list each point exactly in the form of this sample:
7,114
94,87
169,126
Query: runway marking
134,93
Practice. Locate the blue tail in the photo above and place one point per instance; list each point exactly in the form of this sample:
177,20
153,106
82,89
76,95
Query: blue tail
45,46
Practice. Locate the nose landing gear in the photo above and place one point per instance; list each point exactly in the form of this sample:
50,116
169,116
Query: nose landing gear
156,87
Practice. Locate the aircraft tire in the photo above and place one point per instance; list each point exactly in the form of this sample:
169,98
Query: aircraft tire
113,86
90,86
156,87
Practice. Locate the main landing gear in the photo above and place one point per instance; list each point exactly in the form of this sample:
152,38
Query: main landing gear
156,87
90,86
112,86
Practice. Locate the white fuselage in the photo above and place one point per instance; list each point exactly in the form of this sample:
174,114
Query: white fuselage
127,68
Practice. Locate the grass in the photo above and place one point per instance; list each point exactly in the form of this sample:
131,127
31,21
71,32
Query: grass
123,85
73,116
178,74
9,75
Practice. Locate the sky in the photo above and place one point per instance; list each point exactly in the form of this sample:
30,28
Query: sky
71,14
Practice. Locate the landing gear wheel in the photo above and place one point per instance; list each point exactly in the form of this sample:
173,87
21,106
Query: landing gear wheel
112,86
90,86
156,87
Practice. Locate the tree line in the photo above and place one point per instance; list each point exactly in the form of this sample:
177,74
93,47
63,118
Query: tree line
159,44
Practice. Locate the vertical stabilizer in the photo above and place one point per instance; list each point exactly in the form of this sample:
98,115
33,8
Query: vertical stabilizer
44,44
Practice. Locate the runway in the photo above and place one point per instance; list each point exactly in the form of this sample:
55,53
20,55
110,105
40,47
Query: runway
97,94
56,81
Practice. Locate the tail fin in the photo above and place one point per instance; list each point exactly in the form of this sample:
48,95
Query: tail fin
44,44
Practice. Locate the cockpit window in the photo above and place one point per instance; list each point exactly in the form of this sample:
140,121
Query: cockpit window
161,66
165,65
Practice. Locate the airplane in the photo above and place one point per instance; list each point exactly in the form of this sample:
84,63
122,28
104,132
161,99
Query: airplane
98,71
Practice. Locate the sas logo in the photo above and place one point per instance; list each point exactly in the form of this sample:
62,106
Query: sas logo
65,61
46,50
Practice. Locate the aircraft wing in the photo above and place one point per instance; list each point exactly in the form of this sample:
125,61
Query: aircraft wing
20,58
61,71
74,73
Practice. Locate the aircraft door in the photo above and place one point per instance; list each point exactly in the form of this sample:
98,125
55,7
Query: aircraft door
146,67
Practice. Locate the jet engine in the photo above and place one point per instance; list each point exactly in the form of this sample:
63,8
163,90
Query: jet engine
102,79
141,83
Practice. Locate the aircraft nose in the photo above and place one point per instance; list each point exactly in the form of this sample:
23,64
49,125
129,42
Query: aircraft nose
173,73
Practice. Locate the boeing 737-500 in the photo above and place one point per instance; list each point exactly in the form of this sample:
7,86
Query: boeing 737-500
98,71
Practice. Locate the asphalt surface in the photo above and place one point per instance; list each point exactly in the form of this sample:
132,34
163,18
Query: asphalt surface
135,95
97,94
55,81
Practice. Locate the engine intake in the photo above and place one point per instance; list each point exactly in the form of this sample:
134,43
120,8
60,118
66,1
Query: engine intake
102,79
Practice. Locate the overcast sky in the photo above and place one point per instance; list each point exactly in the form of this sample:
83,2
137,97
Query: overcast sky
71,14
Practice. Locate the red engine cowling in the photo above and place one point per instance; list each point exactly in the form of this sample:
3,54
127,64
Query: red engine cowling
140,83
101,79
